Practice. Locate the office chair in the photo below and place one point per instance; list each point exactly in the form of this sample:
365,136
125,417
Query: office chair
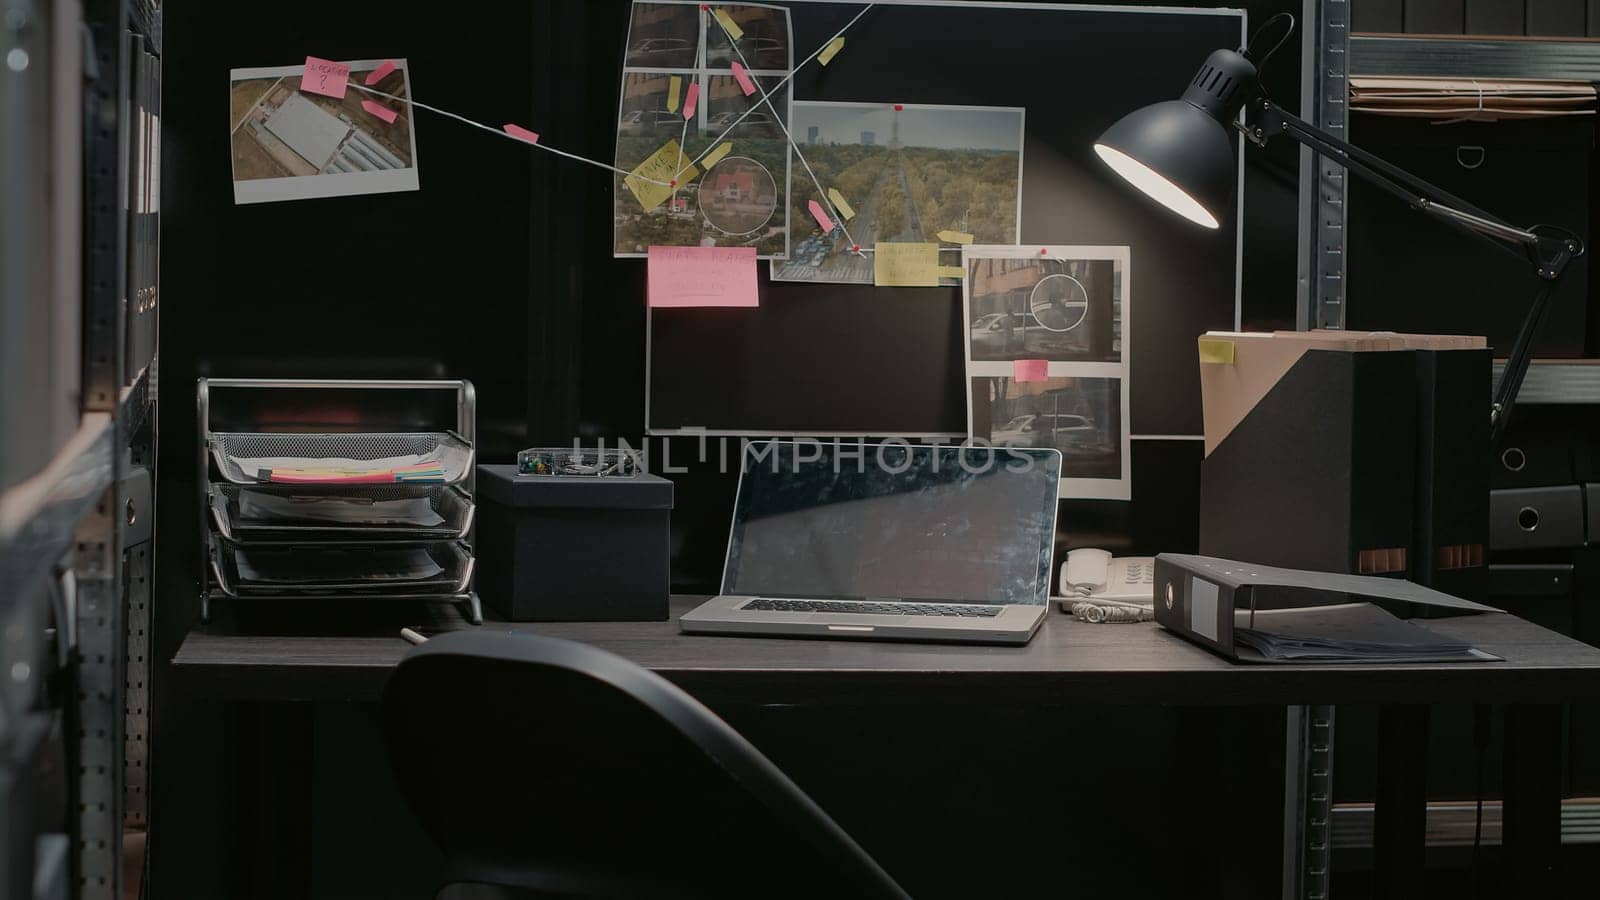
555,769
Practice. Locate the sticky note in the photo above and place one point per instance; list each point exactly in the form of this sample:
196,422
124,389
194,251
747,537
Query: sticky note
325,77
728,24
661,166
955,237
840,204
832,50
691,99
702,276
674,88
716,155
821,215
520,133
1215,351
952,272
380,73
743,77
1030,369
905,265
379,110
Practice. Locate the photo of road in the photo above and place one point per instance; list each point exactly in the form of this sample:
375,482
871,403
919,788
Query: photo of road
909,172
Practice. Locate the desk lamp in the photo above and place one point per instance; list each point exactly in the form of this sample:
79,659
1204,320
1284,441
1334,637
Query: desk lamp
1178,153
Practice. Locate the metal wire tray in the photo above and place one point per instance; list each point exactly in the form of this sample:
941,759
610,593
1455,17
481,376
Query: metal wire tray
457,575
231,452
450,503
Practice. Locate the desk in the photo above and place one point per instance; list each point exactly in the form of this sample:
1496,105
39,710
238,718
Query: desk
1066,663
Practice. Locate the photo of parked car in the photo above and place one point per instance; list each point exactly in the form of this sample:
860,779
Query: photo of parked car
1081,417
663,36
1062,310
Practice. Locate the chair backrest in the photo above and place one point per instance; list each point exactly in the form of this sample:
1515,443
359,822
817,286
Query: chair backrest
545,764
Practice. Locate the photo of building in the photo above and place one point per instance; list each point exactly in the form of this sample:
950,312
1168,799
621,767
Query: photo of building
288,144
1066,310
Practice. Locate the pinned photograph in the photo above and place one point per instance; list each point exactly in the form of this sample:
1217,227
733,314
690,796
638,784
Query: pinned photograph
1083,417
663,36
709,161
290,144
761,34
908,173
1067,304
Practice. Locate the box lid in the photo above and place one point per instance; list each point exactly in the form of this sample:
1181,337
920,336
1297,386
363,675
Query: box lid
502,484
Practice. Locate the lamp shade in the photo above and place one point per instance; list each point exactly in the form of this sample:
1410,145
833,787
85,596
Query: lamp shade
1178,151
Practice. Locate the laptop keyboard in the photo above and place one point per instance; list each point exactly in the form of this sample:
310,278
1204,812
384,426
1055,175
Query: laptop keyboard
868,607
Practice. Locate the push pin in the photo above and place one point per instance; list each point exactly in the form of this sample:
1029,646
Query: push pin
856,248
1044,251
674,183
899,107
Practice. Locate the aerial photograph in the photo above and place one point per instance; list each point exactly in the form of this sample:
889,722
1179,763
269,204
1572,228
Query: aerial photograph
739,202
908,172
282,138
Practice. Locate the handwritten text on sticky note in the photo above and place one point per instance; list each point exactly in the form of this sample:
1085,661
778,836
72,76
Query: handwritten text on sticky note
325,77
905,265
381,111
1030,370
380,73
651,182
702,276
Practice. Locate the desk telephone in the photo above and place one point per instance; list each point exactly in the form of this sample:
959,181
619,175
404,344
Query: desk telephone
1098,588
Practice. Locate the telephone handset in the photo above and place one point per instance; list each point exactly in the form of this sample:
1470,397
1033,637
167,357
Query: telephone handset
1094,577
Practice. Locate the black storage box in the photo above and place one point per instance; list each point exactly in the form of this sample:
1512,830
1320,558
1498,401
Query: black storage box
567,548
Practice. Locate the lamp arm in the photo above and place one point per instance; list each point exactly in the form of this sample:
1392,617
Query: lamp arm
1547,255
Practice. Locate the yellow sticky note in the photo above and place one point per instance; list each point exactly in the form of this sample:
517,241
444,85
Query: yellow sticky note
674,87
952,272
840,204
830,51
955,237
662,166
1215,351
716,155
728,24
905,265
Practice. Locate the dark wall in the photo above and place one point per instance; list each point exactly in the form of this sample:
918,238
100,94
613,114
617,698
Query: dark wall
436,282
498,270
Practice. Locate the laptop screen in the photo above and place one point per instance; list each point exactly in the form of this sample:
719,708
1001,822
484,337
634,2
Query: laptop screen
959,524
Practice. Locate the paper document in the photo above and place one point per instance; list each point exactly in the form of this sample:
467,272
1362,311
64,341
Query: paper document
1349,632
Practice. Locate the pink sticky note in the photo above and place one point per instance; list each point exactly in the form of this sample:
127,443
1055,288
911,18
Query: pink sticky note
325,77
380,73
517,131
821,215
702,276
743,77
690,100
381,111
1030,369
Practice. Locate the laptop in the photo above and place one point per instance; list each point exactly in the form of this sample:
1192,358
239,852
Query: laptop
888,542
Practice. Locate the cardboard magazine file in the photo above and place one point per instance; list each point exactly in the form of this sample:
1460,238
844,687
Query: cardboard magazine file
1255,613
1310,446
